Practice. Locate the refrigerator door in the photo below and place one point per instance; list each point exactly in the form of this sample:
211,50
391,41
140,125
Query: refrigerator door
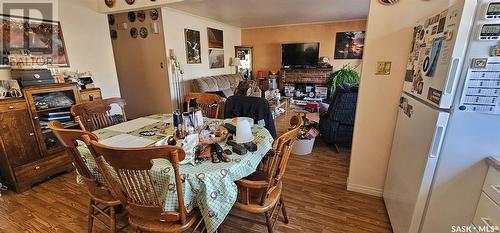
415,149
436,57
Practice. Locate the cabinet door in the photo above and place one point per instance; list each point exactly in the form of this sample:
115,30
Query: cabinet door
17,137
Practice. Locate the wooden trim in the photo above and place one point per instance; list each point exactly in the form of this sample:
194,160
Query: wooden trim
365,189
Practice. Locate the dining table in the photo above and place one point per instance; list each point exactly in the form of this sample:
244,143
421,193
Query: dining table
208,186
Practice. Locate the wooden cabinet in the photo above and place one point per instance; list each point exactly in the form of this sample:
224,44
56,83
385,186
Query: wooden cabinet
17,134
87,95
31,151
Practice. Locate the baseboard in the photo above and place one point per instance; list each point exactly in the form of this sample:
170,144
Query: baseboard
365,189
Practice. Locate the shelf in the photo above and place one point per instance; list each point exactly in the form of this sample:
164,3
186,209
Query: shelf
44,131
52,109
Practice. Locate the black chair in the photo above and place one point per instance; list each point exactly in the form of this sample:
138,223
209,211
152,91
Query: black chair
337,124
253,107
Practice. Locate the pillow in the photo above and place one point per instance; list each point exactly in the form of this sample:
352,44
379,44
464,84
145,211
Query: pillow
227,93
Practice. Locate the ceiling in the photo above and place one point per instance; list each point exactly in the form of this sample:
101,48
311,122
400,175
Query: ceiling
261,13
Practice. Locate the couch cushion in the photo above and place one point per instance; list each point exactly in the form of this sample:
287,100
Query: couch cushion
217,83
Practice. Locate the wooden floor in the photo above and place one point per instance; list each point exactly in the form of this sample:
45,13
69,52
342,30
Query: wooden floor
314,191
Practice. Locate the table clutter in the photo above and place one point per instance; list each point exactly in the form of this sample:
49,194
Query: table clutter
216,157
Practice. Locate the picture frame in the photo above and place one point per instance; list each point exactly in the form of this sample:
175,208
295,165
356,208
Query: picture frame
349,45
193,46
215,38
216,58
10,89
25,39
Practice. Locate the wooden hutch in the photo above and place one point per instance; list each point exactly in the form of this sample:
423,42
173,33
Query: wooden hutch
29,152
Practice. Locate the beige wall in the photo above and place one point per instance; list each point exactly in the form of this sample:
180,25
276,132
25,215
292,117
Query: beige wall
86,36
267,41
389,32
176,21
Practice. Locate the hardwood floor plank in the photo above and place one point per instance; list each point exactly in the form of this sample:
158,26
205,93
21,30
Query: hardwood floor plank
314,191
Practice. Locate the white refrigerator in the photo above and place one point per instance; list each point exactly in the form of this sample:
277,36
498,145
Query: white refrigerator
448,121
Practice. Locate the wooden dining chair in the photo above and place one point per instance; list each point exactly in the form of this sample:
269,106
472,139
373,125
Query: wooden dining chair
261,192
210,104
144,204
97,114
102,200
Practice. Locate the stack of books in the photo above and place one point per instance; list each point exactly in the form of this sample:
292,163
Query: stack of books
63,117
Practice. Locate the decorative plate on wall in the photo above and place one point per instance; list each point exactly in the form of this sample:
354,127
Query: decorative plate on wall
144,32
130,2
109,3
133,32
388,2
114,34
141,16
131,16
154,14
111,19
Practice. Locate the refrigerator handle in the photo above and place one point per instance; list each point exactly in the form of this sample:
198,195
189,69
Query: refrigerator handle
436,144
452,75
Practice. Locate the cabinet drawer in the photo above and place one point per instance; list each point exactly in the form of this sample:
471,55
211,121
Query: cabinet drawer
87,95
487,214
41,169
12,106
492,185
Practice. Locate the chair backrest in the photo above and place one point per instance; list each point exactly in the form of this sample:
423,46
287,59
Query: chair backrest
250,106
97,114
282,148
208,102
133,168
69,139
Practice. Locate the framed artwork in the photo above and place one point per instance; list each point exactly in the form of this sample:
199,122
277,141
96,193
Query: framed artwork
193,47
10,89
215,38
216,58
42,39
349,45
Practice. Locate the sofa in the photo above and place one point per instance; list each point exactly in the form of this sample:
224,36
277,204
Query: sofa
225,83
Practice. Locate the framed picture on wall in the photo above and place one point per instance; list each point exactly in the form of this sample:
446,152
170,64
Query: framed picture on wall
193,47
215,38
31,38
216,58
349,45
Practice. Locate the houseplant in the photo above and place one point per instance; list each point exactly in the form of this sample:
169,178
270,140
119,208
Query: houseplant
347,74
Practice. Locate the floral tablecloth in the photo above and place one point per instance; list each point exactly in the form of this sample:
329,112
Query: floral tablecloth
206,185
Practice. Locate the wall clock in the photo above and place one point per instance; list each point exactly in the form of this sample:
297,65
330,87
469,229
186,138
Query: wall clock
130,2
131,16
109,3
141,16
154,14
133,32
388,2
143,32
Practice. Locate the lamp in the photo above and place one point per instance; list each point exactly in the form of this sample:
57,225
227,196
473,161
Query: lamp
234,61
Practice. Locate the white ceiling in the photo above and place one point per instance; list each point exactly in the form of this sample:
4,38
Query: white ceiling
260,13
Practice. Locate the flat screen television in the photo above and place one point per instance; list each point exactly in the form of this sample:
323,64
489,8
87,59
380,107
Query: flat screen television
299,55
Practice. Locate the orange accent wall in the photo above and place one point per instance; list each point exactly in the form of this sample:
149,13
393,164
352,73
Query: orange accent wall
267,41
